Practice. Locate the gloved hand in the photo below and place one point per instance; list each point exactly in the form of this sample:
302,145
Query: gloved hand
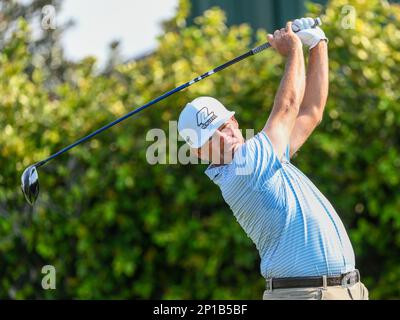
309,36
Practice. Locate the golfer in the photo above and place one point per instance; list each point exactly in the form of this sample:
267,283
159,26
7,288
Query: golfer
305,251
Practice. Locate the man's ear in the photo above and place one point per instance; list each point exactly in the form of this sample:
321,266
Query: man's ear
202,153
220,135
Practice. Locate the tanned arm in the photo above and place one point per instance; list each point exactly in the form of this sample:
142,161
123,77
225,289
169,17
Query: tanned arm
315,97
291,91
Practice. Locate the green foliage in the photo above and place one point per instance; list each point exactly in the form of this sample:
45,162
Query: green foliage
116,227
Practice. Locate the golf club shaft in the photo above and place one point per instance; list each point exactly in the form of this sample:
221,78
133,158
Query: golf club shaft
162,97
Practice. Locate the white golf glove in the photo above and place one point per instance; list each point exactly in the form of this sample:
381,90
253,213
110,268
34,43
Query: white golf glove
309,36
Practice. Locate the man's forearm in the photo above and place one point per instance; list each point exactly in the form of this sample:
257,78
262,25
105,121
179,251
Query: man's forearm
292,87
291,90
317,82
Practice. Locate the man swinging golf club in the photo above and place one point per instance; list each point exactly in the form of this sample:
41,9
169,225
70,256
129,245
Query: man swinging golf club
304,248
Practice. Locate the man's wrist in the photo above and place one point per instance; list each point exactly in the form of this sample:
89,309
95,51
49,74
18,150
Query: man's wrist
323,43
297,49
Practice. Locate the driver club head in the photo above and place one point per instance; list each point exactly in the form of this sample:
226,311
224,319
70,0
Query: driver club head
30,184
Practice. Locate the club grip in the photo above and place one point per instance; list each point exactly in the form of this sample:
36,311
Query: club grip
317,22
261,48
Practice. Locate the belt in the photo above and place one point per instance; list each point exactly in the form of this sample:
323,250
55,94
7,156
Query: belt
345,280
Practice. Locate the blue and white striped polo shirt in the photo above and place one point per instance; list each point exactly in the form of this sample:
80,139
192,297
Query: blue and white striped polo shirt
294,227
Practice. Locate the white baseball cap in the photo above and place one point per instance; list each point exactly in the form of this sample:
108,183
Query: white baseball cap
200,119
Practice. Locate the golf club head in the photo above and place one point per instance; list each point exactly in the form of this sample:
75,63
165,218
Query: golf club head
30,184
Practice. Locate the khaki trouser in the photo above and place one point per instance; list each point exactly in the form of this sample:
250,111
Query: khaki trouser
354,292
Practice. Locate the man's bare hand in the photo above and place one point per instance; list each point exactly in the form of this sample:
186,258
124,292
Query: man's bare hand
285,41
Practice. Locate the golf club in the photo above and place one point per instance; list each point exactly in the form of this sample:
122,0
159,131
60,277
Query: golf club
30,178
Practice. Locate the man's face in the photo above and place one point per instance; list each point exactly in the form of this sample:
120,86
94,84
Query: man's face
221,147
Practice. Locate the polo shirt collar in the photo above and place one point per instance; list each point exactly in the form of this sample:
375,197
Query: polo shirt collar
214,172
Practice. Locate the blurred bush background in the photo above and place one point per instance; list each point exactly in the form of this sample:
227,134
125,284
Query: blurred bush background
116,227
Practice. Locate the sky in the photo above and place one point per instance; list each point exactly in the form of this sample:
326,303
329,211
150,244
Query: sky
136,23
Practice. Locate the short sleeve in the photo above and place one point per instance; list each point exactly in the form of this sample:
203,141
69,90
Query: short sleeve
256,159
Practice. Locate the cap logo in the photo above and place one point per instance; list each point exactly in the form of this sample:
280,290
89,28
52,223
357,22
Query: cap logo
205,118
